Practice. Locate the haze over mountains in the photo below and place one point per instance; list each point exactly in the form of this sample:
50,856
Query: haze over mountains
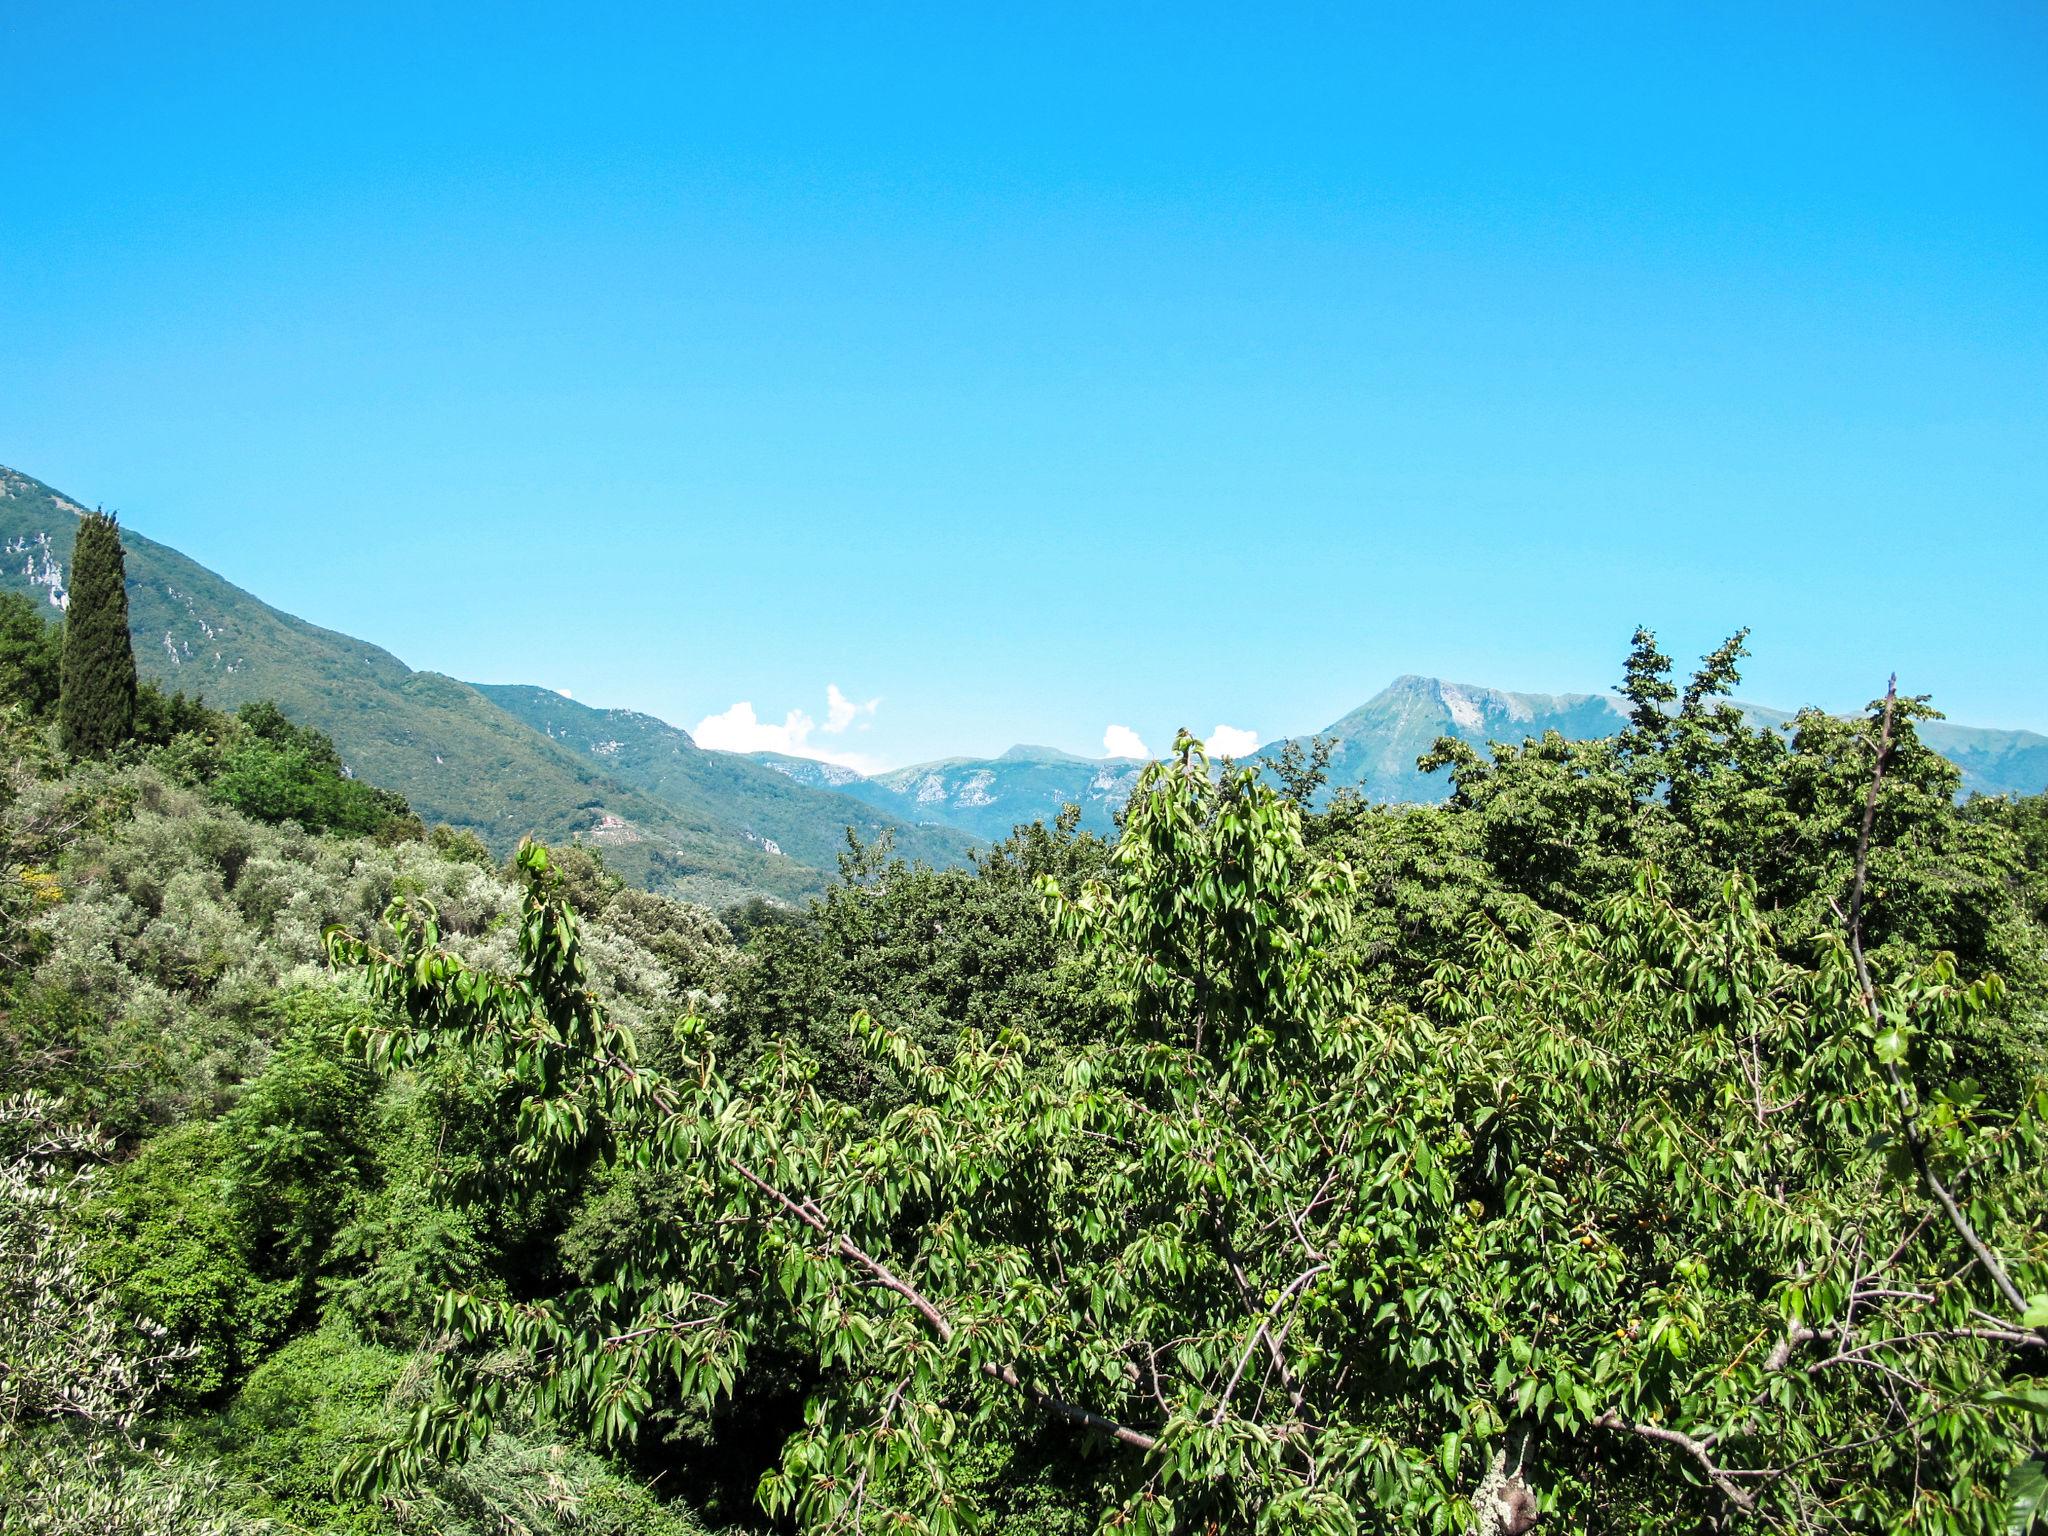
506,760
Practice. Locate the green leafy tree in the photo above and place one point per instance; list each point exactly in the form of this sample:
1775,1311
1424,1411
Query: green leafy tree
160,718
31,655
298,1139
1695,789
1628,1217
178,1248
925,951
97,708
277,770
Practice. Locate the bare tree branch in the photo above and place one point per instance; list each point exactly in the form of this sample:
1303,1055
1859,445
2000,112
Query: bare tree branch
1698,1450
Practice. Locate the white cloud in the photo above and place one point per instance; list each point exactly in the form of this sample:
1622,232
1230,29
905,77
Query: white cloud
840,711
565,693
739,729
1232,741
1122,741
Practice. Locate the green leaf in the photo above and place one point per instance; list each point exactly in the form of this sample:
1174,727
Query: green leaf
2026,1495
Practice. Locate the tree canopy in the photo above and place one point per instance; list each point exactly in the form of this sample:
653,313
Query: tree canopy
1627,1214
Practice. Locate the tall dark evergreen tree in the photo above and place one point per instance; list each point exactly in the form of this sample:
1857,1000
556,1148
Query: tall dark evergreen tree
96,711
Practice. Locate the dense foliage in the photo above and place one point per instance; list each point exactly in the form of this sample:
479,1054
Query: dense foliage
31,655
1651,1136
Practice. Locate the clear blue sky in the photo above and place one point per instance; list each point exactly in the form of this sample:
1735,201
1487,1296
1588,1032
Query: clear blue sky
1036,368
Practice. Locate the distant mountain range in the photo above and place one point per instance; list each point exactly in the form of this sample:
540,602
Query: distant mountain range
984,796
1377,743
1374,749
782,816
506,760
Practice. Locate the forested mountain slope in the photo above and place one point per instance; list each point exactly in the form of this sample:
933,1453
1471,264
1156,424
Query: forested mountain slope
452,752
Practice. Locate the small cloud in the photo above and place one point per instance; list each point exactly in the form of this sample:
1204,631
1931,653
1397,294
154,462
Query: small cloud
1122,741
840,711
565,693
1232,741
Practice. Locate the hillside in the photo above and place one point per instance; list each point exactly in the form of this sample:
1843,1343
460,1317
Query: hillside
453,753
1994,762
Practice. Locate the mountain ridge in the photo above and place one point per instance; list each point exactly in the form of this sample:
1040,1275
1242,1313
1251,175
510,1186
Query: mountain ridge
985,797
1375,750
1378,742
506,759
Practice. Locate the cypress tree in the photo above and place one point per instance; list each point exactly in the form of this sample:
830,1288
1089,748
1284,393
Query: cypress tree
96,706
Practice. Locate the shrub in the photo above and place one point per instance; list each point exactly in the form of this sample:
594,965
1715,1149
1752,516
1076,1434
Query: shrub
169,1239
304,1408
277,771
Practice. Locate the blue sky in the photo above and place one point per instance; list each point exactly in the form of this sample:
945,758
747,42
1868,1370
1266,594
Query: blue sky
1035,369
